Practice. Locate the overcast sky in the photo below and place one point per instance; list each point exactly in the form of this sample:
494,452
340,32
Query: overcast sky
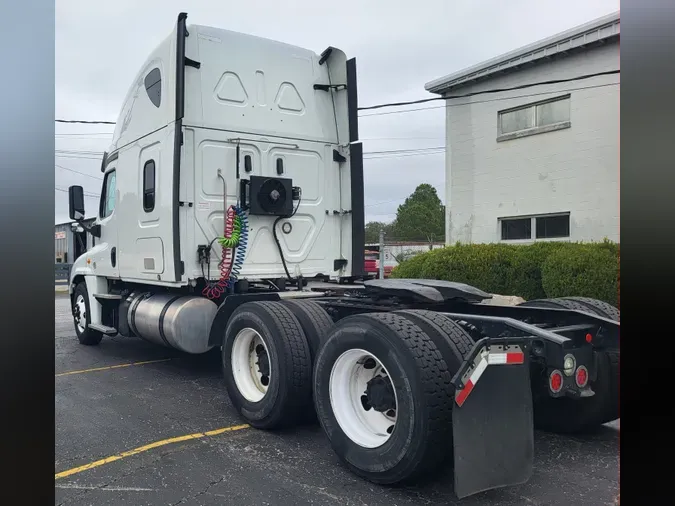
399,46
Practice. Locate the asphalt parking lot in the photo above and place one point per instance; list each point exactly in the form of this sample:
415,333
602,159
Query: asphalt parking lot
141,425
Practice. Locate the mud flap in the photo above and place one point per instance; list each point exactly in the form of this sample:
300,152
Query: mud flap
493,435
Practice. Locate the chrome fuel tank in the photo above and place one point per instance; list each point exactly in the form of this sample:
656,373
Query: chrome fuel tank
182,322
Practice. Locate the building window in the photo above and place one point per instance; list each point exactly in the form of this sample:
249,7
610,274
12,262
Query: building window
108,195
149,186
548,226
514,229
153,86
534,118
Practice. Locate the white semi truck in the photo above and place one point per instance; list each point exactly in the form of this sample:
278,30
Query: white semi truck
234,175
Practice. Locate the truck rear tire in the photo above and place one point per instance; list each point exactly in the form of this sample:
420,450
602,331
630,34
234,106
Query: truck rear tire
450,339
267,365
601,308
383,396
578,415
82,317
314,320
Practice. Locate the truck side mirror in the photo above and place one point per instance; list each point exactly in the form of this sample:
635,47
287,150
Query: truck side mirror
76,203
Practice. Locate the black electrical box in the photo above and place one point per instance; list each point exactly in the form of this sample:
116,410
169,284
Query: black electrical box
269,196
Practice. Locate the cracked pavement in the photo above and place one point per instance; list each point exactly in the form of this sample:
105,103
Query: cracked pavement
103,413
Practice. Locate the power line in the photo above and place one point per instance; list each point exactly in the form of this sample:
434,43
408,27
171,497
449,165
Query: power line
430,108
488,100
368,155
401,138
79,151
86,194
83,135
496,90
85,121
385,202
424,100
405,155
78,154
401,150
98,159
77,172
84,153
91,194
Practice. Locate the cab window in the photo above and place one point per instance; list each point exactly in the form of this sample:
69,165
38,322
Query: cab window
108,194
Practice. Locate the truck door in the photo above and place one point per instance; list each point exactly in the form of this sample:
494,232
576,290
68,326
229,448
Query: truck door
106,261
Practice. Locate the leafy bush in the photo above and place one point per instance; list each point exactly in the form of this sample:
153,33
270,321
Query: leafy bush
487,266
527,282
589,270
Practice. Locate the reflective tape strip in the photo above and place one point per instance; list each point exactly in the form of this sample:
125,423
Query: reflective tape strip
471,382
461,396
481,362
506,358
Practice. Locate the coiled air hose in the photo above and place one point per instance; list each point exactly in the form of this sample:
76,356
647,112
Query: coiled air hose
241,220
233,243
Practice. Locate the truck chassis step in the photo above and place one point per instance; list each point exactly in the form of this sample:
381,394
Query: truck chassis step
109,331
108,296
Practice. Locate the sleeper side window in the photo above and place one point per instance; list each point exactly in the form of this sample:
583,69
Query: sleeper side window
149,186
153,86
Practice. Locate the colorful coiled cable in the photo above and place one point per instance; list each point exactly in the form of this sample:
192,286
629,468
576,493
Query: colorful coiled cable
233,242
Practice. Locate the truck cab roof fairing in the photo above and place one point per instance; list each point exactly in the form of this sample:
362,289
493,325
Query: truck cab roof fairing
259,86
139,115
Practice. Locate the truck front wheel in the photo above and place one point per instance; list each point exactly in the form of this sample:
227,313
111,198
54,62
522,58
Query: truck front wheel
82,318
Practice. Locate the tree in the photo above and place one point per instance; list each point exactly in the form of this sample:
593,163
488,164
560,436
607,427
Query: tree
373,231
421,217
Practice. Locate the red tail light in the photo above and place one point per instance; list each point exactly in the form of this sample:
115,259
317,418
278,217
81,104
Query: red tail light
555,381
582,376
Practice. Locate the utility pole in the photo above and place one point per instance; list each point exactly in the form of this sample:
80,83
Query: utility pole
381,276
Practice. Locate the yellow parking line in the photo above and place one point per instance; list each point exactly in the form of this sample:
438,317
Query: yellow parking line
145,448
112,367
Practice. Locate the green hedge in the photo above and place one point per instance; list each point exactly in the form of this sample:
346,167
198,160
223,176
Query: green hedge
540,270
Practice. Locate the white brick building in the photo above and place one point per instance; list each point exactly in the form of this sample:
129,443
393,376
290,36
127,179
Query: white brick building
541,162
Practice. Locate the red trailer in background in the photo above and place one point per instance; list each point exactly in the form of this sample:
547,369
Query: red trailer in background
372,264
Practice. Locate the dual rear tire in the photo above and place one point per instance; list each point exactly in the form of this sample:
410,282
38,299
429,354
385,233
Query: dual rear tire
379,382
383,395
267,364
